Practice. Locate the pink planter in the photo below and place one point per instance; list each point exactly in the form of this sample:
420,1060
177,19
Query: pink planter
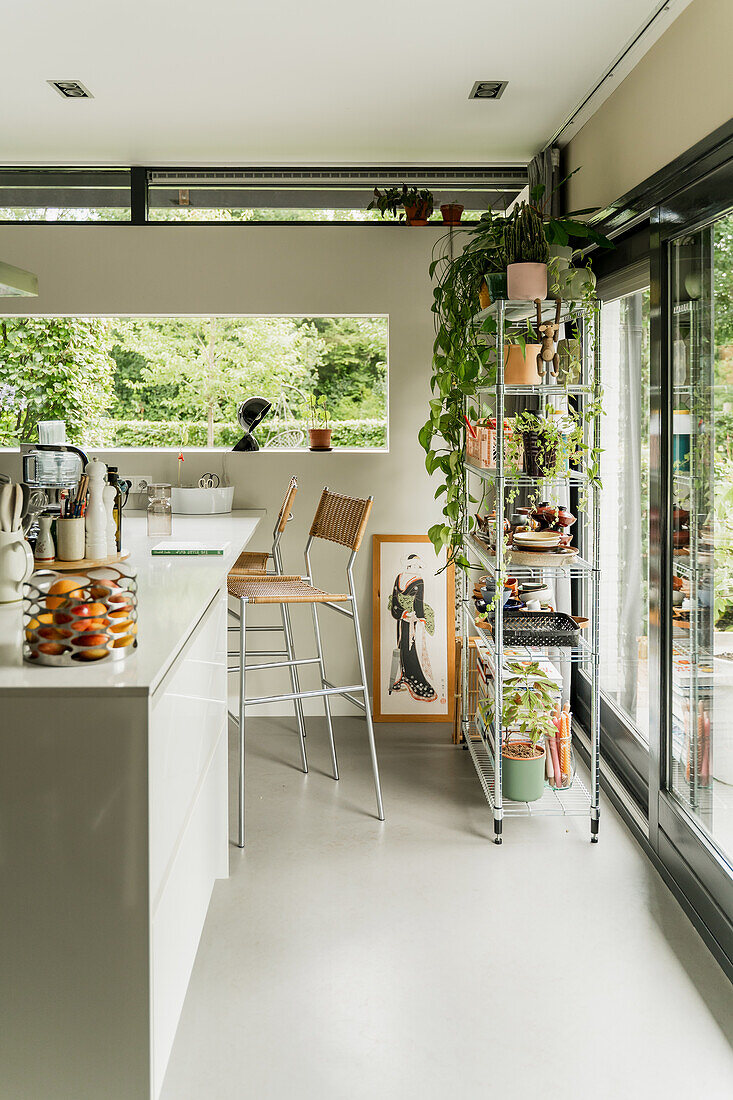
525,282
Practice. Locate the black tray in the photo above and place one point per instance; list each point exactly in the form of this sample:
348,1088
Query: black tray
540,628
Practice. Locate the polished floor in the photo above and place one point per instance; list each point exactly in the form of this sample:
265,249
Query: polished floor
347,959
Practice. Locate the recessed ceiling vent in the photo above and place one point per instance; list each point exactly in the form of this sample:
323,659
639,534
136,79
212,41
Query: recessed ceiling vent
71,89
488,89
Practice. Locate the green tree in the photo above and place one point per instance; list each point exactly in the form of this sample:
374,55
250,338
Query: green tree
215,362
56,368
352,371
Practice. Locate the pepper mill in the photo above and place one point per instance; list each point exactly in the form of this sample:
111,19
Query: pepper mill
109,495
96,513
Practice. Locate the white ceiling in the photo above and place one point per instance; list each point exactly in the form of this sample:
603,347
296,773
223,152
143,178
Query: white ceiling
220,82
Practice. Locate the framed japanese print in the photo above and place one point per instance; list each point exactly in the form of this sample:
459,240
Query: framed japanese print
413,631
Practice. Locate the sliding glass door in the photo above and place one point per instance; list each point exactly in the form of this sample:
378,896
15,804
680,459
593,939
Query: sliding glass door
625,462
691,565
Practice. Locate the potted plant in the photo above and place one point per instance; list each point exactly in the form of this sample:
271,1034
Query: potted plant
527,254
319,432
416,203
529,699
451,212
544,443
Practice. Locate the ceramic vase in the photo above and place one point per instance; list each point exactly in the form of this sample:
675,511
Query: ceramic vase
45,551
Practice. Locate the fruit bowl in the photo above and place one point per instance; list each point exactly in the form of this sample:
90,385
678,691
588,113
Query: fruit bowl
80,618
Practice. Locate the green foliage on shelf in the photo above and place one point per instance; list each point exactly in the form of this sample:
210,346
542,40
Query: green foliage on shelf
528,700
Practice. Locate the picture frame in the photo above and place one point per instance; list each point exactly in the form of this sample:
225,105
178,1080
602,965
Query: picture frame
413,631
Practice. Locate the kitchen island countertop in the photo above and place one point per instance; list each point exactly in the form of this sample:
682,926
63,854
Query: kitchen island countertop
173,594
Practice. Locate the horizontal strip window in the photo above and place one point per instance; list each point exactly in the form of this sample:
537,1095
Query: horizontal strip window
301,204
65,195
266,195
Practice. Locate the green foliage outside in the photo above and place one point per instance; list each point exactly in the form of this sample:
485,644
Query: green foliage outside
178,381
54,369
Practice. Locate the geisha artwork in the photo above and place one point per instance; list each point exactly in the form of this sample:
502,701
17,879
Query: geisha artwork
414,631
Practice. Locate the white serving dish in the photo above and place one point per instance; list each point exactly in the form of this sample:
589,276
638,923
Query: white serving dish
201,502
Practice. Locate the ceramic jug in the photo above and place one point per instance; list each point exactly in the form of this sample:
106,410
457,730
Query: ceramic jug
16,565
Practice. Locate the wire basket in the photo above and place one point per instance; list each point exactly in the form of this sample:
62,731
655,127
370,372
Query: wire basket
79,618
523,628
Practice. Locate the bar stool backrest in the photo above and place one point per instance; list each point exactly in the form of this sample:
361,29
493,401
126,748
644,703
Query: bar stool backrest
285,511
341,519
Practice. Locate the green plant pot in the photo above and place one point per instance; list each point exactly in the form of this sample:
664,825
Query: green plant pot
522,780
496,282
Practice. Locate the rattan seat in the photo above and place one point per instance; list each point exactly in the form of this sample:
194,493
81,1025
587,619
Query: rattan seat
279,589
248,562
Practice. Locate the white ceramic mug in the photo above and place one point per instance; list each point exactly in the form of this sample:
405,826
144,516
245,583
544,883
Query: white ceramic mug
16,565
70,535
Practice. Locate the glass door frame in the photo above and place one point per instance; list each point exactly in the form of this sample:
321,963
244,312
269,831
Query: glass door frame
628,267
688,853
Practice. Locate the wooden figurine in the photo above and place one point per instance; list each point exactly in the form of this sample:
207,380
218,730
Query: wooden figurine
547,357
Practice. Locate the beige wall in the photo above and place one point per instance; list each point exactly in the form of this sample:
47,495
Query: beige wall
680,91
263,269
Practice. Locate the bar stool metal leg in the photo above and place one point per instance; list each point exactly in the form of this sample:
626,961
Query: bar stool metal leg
294,683
242,704
326,700
367,701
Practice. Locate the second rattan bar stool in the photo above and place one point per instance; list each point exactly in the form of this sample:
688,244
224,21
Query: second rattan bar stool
341,520
254,563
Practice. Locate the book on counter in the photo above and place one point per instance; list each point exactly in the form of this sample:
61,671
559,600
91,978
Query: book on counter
190,549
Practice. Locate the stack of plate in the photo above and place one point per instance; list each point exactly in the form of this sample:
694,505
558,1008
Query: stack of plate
540,541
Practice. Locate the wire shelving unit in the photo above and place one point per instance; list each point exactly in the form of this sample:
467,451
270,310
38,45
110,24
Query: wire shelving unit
583,570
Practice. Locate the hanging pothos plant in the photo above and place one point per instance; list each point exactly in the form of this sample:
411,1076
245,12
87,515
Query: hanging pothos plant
464,361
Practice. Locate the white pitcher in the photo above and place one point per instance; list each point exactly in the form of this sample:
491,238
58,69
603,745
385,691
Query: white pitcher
16,565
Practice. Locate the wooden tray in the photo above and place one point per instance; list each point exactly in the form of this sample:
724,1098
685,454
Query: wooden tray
84,563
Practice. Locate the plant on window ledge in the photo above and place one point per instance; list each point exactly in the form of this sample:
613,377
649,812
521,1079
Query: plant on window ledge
319,432
415,203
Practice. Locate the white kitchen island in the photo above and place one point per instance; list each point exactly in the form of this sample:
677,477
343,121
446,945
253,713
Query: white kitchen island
113,829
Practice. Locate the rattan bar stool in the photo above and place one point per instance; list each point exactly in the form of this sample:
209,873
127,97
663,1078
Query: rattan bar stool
255,563
341,520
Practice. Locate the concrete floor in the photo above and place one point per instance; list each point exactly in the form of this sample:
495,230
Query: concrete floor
348,959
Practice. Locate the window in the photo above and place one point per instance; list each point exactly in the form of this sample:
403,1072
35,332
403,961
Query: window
625,507
177,381
64,195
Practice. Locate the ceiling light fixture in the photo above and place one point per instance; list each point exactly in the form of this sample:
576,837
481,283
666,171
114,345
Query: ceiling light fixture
488,89
71,89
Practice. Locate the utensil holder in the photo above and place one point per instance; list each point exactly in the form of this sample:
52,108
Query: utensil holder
70,537
79,618
560,762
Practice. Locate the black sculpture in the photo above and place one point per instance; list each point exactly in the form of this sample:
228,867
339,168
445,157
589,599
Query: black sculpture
249,415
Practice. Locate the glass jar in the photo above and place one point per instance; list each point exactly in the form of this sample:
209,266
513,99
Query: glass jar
160,515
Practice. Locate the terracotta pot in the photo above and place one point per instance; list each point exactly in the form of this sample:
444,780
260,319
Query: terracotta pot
521,369
417,215
320,439
451,212
484,296
525,282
